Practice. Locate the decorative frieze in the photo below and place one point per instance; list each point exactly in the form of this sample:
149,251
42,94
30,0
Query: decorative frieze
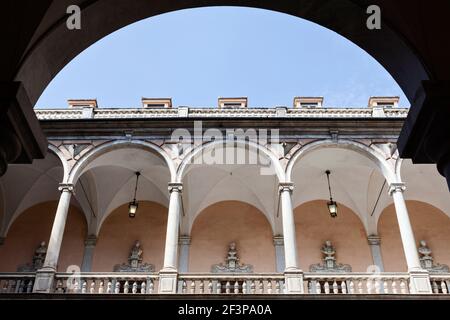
135,261
329,261
232,264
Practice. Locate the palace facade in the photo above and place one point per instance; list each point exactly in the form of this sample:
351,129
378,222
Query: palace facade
225,200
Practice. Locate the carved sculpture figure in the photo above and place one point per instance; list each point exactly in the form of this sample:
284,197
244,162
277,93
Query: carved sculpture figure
232,263
135,261
38,259
329,261
426,260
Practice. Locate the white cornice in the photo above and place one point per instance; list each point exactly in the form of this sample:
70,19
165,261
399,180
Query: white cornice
141,113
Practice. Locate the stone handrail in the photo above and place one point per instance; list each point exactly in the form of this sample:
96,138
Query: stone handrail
356,283
109,283
440,283
233,283
16,282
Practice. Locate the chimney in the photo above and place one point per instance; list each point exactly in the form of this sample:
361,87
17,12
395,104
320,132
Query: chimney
224,103
157,103
308,102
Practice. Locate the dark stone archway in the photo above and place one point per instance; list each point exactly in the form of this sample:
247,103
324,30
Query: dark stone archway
412,45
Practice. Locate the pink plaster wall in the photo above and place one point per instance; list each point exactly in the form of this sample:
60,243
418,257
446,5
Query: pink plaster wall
33,226
227,221
119,233
428,223
346,232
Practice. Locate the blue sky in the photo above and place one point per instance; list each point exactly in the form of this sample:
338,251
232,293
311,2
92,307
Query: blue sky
197,55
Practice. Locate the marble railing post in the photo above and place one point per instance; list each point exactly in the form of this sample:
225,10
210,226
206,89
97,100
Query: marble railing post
419,278
45,276
374,243
89,247
168,275
278,242
293,275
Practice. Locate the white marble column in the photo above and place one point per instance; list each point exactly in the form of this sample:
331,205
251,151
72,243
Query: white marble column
184,243
168,275
278,242
419,278
293,275
374,243
89,246
45,276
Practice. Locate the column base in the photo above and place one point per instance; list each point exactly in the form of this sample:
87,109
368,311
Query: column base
168,281
419,282
44,280
293,280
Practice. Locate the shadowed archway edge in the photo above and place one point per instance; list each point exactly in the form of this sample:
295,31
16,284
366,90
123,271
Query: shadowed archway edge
53,46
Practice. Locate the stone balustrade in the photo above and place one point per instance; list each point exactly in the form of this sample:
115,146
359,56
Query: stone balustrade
16,282
190,283
357,283
218,284
106,283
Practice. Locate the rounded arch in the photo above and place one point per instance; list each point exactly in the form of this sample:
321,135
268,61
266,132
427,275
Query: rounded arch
93,154
377,158
28,195
346,232
275,163
39,63
231,221
428,222
63,160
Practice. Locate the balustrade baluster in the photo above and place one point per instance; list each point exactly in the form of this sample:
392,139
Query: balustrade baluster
19,286
236,287
109,287
59,287
30,286
5,286
134,288
143,287
261,286
318,288
277,287
84,287
218,287
360,286
444,287
227,287
343,287
351,287
184,287
385,287
202,287
326,287
402,286
192,286
269,286
435,287
369,285
101,286
335,287
244,287
394,286
92,287
150,286
210,287
377,286
253,287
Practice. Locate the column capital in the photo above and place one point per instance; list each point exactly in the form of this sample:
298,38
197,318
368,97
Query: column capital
175,187
90,241
396,187
66,187
184,240
286,187
278,240
374,240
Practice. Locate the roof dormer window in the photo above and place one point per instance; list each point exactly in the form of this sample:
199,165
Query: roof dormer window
228,103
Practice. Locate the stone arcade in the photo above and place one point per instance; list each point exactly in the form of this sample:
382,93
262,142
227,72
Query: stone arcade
269,219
